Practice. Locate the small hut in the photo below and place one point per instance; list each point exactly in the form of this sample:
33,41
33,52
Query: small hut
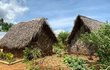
35,33
82,25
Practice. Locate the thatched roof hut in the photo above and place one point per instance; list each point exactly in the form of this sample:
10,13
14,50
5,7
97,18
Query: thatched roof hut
35,33
82,24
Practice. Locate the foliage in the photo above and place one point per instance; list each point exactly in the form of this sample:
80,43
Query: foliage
9,57
26,54
30,53
58,49
92,68
31,65
62,36
36,53
75,63
101,40
2,55
6,56
5,26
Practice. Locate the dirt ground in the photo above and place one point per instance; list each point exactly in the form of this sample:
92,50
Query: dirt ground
17,66
53,62
50,62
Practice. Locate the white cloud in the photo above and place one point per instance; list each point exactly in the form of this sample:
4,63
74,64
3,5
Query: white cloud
63,23
57,32
10,9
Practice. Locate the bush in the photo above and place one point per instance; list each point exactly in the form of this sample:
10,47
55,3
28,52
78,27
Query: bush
75,63
31,65
101,40
27,54
36,53
6,56
58,49
63,36
30,53
2,55
9,57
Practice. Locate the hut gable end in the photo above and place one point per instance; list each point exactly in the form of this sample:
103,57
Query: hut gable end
82,25
86,23
21,34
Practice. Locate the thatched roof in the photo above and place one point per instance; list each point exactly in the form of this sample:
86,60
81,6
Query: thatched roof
91,24
21,34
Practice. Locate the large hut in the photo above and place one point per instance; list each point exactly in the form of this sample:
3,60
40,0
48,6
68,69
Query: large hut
34,34
82,25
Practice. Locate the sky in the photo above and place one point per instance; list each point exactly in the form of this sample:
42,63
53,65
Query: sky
60,13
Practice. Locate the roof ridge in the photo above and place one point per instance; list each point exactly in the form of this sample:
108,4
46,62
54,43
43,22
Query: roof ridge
40,18
89,18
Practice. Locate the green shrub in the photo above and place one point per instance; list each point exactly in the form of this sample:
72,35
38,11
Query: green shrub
63,36
101,40
32,65
26,54
36,53
58,49
9,57
6,56
75,63
2,55
30,53
62,41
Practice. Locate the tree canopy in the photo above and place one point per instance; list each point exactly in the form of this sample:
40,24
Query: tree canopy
4,26
62,36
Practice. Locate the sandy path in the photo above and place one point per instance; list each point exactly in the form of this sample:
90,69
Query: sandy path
17,66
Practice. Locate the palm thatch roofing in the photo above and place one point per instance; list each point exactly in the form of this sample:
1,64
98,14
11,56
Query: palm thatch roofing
89,23
21,34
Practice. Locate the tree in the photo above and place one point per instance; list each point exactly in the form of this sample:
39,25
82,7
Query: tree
5,26
62,36
1,20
